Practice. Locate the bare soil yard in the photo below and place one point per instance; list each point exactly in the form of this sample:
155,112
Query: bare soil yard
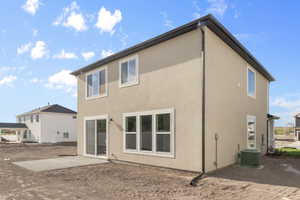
278,179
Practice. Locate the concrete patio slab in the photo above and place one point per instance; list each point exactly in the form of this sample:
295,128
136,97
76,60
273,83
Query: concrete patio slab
58,163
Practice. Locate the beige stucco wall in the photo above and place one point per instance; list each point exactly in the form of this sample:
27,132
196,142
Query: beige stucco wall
170,77
227,103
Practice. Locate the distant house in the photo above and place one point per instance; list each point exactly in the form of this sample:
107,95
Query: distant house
12,131
48,124
189,99
297,126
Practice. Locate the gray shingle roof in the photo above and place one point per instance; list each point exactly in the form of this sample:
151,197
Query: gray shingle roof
12,125
55,108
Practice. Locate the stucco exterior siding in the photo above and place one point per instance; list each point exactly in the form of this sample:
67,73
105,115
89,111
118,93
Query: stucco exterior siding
169,77
227,103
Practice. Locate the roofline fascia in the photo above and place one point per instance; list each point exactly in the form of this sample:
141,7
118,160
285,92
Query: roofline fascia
229,39
146,44
59,113
210,21
29,113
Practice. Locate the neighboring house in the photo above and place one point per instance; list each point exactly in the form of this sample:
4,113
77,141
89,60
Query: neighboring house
49,124
188,99
297,126
12,131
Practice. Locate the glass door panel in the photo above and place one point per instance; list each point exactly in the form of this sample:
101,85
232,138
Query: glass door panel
101,137
90,137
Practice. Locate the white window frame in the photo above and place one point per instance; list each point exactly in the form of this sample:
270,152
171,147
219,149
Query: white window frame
162,133
136,81
106,85
98,117
125,132
138,150
252,70
251,118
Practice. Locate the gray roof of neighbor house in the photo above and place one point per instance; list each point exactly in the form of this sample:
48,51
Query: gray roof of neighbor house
12,125
55,108
210,21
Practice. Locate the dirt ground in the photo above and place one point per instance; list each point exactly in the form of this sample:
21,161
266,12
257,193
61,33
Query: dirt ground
277,179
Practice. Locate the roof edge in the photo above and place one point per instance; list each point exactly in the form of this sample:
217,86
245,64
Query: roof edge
210,21
44,110
143,45
236,45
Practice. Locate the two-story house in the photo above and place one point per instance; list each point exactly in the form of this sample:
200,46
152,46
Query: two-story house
188,99
48,124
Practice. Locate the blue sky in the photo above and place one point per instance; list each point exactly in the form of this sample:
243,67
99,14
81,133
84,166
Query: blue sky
41,41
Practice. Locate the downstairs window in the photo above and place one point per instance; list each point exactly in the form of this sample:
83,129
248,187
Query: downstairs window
149,132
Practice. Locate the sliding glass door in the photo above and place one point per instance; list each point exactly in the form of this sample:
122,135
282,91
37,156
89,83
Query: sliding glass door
96,137
101,137
90,137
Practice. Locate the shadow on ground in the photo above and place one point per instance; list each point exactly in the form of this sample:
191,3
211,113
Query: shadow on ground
274,171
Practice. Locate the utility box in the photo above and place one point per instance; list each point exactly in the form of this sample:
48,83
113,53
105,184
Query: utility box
250,158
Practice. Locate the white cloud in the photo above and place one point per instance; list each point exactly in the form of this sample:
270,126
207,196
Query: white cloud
8,80
31,6
106,53
63,80
88,55
72,18
287,106
107,21
76,21
167,22
24,48
39,50
285,103
217,7
65,55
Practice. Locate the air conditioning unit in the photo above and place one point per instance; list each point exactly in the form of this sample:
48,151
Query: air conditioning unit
250,158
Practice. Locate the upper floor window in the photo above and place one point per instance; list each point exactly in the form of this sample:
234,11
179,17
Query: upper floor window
31,118
129,72
96,83
37,118
251,83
